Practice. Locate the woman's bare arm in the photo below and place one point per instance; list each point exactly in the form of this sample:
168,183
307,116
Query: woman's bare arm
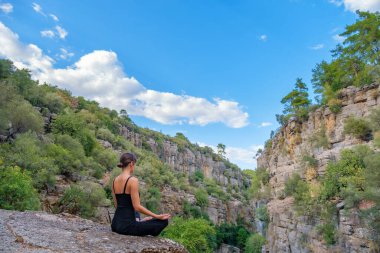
136,199
113,195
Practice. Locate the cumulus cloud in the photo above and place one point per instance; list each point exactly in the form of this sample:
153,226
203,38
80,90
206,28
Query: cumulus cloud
100,76
362,5
265,124
317,47
47,34
263,37
6,8
62,33
243,157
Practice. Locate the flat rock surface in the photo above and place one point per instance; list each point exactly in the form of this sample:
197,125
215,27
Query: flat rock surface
43,232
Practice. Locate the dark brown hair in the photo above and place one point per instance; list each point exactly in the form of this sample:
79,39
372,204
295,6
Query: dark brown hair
126,159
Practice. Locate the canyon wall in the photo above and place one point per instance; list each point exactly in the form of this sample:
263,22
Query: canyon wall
288,231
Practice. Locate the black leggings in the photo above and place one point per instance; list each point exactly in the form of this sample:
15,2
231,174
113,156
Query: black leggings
150,227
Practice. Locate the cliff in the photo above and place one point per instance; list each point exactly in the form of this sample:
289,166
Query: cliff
288,231
42,232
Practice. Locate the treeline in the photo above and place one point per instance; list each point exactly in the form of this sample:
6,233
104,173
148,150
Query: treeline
355,62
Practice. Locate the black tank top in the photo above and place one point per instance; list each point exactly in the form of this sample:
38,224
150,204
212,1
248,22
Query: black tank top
124,210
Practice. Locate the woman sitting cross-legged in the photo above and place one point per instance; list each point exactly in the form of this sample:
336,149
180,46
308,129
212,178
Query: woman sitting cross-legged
126,198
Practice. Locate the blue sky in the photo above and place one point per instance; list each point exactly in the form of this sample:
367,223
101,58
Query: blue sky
213,70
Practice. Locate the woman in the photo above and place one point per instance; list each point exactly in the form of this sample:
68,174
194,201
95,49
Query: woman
126,198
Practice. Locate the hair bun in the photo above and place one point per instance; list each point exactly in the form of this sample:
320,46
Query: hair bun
120,165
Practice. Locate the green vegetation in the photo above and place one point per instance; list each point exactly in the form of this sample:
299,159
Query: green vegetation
195,234
259,183
328,232
296,103
16,190
232,234
54,134
254,243
83,199
357,127
355,62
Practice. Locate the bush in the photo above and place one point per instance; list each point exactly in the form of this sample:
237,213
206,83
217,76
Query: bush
328,232
195,234
254,243
319,139
201,197
16,190
359,128
374,119
23,117
83,199
105,134
347,171
291,184
232,234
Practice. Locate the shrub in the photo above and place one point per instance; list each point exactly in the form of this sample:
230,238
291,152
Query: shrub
335,105
83,199
359,128
374,119
291,184
105,134
319,139
16,190
201,197
23,117
195,234
347,171
328,232
153,199
105,157
254,243
69,124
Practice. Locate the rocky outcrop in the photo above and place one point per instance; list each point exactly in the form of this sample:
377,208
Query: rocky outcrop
287,231
42,232
187,160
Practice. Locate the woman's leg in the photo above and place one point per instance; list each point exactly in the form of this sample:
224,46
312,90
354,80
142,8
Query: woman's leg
150,227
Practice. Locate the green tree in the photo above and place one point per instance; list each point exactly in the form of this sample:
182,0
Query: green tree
297,101
221,150
16,190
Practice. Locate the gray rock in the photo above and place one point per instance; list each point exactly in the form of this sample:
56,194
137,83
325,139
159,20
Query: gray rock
42,232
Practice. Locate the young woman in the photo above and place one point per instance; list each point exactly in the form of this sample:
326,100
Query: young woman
126,198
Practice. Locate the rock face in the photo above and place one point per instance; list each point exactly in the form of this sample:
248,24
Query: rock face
42,232
288,232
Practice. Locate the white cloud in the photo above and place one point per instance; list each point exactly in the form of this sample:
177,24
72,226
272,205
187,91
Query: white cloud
318,46
100,76
243,157
263,37
362,5
265,124
37,8
338,38
64,54
54,17
47,33
6,8
62,33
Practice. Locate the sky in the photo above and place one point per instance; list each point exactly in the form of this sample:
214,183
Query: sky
213,70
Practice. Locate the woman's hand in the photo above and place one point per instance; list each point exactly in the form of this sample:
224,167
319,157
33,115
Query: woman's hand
163,216
147,218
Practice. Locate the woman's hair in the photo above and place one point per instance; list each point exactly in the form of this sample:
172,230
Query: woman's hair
126,159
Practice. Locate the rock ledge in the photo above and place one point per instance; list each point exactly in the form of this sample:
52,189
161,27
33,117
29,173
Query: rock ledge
43,232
